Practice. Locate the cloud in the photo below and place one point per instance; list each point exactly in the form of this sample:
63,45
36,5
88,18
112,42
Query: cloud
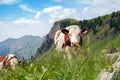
92,2
51,21
94,8
26,8
58,12
8,1
38,14
24,26
63,13
23,21
17,30
30,21
52,9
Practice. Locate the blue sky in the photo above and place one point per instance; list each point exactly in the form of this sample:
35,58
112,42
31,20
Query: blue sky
36,17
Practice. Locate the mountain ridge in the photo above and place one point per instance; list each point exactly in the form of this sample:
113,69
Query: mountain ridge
23,47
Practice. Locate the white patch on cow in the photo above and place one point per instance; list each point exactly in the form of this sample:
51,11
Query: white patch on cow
13,61
59,40
74,34
10,61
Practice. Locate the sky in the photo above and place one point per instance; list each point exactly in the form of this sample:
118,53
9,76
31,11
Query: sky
36,17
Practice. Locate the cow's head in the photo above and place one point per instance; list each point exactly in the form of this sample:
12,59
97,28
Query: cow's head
66,38
12,61
73,35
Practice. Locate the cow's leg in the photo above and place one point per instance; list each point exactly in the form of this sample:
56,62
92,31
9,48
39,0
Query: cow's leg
68,53
58,53
1,65
77,51
13,67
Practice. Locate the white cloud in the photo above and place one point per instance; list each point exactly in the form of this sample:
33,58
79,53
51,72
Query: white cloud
24,26
23,21
92,2
68,12
51,21
7,1
94,8
29,21
63,13
58,12
26,8
52,9
17,30
38,14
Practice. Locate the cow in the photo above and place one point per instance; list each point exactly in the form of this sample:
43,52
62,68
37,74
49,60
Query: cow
8,61
69,37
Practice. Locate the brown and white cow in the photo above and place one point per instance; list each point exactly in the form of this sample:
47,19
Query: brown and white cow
68,37
8,61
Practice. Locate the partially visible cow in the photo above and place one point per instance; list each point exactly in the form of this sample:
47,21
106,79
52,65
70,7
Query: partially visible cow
68,37
8,61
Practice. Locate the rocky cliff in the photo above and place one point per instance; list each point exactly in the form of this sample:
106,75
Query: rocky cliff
49,39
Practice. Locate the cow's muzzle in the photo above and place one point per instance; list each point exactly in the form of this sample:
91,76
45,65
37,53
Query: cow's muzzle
75,44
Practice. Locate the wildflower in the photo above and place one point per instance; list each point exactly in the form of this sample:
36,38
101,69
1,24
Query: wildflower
44,69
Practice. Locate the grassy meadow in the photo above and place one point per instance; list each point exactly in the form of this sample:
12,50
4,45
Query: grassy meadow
51,66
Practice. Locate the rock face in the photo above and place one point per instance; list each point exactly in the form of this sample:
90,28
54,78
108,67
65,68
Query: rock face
49,38
106,75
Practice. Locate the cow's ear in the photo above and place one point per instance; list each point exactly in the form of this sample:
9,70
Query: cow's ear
65,31
84,31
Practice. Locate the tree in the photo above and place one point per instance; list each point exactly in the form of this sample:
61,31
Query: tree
113,15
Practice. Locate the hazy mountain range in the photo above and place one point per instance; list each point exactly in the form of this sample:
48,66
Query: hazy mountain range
23,47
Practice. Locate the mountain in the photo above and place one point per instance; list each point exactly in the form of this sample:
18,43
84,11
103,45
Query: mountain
23,47
99,28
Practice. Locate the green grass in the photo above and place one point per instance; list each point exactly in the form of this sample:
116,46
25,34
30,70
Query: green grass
84,67
101,30
52,66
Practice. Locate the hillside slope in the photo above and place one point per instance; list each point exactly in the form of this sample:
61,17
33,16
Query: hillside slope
99,28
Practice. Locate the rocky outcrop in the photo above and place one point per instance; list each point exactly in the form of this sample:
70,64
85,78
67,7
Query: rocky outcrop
106,75
114,69
108,33
49,39
98,37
